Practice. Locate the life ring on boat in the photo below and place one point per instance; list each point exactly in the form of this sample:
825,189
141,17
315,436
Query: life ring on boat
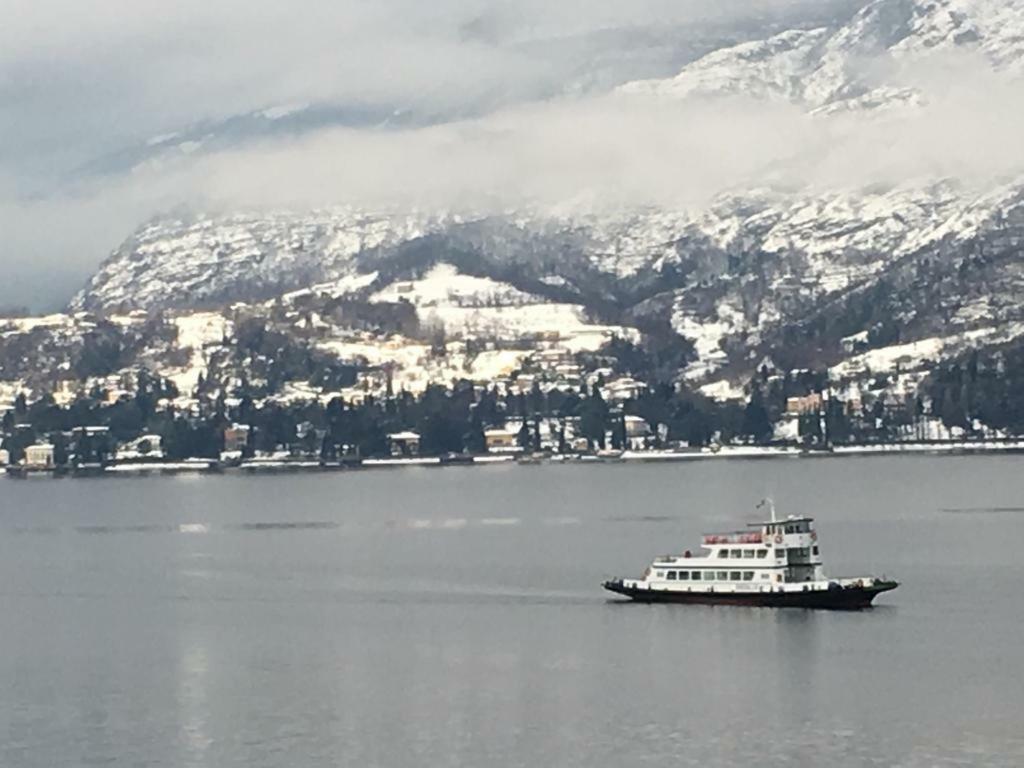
778,538
814,535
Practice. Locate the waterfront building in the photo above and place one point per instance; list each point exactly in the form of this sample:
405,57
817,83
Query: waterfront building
404,444
40,456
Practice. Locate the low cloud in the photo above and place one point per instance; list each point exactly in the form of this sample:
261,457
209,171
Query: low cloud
583,149
618,150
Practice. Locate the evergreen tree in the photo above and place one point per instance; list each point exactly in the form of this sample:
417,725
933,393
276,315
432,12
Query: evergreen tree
593,419
474,439
523,438
619,433
563,445
756,422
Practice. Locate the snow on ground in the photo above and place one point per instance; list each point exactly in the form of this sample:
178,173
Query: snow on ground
468,306
707,337
411,364
887,358
130,319
8,393
590,338
376,351
707,341
723,390
495,364
443,285
195,332
344,285
915,354
16,325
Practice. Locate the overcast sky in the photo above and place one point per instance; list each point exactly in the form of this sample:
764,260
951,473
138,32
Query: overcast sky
509,96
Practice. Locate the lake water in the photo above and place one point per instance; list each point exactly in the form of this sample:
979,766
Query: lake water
434,617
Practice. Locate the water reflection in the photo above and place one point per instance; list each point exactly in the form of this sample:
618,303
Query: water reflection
193,704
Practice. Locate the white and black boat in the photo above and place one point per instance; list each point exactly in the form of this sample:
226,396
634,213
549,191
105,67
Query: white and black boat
775,563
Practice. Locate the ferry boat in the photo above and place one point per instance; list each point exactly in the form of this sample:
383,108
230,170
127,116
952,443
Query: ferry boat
776,563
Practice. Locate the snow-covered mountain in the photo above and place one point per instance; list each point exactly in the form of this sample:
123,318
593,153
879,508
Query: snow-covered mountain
847,68
794,273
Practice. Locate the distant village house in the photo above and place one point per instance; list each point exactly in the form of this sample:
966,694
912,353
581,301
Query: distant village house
40,456
501,441
404,444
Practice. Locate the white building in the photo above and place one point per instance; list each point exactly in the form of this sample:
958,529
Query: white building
638,433
502,440
404,444
144,447
39,456
624,388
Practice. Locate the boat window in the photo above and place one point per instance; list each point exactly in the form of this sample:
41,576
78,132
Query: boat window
780,553
765,576
723,553
734,576
723,575
696,575
659,574
815,549
684,575
748,553
737,553
748,575
671,575
762,554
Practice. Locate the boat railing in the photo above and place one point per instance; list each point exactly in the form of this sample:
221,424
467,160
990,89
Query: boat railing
733,538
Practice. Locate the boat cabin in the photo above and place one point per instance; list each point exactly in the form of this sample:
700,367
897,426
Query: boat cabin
777,552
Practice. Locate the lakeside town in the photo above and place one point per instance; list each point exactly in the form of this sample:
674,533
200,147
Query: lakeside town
455,369
558,406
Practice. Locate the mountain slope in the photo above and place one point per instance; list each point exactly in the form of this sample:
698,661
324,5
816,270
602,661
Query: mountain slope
836,69
789,272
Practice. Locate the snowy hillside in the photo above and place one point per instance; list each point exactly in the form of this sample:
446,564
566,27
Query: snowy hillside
792,272
835,69
207,260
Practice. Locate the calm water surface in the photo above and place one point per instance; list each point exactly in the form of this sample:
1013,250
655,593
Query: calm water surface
454,617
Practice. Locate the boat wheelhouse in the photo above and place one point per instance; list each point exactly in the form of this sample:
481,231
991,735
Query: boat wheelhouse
774,563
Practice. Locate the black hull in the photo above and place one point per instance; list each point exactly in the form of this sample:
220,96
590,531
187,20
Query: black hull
842,599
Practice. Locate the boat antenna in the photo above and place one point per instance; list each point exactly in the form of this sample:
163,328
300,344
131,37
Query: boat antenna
771,506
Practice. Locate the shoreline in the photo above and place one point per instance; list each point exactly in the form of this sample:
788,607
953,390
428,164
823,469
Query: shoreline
735,453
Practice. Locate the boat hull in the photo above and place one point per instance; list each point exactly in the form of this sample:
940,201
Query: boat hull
850,598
